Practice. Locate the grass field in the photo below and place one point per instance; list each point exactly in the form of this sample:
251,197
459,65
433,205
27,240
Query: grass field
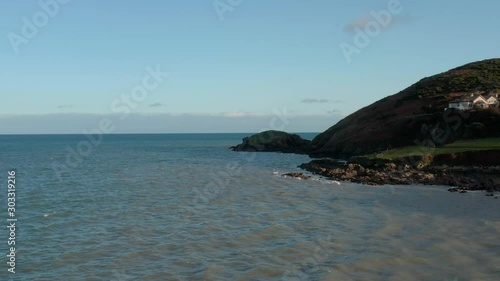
456,147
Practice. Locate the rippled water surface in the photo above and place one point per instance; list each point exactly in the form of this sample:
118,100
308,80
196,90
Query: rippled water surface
184,207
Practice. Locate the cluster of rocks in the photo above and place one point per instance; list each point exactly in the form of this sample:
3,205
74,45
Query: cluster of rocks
463,178
295,175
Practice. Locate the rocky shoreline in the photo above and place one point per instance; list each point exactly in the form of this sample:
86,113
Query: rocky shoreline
462,178
462,171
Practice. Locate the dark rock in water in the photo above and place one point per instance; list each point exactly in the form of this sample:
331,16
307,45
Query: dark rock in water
274,141
490,195
297,176
458,190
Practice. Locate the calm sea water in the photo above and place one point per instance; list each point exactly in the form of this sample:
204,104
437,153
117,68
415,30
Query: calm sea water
185,207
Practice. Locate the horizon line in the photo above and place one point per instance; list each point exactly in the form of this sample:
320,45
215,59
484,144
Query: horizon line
75,134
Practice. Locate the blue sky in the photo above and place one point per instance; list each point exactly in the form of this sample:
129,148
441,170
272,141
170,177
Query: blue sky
233,72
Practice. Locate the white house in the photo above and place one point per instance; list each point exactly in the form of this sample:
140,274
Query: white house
473,101
479,102
492,100
461,104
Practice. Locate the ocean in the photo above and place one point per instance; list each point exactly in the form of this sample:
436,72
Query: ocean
185,207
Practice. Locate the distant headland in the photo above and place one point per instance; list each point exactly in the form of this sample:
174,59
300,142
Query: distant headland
442,130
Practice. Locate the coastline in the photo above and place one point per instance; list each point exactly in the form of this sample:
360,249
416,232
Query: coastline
463,165
377,173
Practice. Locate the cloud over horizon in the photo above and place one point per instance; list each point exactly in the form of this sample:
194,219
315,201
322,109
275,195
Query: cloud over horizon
228,122
334,111
310,100
362,22
322,100
65,106
157,104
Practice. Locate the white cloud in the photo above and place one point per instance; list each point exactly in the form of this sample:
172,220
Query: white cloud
243,114
65,106
310,100
362,22
334,111
157,104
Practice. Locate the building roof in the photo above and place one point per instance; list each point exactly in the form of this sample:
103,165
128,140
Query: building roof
473,98
462,100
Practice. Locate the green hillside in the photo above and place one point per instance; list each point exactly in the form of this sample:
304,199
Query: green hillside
416,115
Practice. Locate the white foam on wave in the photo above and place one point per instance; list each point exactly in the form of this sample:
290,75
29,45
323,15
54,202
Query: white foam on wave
48,215
326,181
